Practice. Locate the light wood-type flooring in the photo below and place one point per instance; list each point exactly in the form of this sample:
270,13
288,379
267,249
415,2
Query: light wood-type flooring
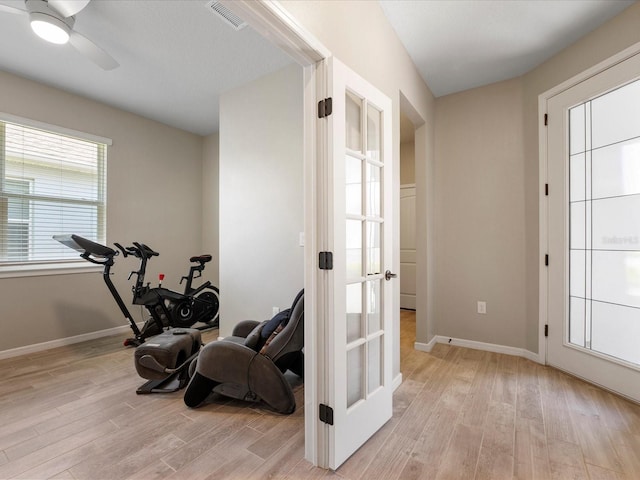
72,413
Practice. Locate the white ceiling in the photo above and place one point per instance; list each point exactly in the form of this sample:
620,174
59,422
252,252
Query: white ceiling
462,44
176,57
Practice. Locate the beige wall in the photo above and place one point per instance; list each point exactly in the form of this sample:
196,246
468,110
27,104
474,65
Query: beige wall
480,214
153,195
261,197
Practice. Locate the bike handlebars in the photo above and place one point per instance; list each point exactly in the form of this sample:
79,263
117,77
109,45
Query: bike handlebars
145,250
139,250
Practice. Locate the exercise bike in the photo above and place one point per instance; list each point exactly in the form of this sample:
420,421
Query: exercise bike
167,307
164,361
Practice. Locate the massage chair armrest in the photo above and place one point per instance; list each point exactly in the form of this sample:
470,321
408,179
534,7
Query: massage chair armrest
244,328
225,361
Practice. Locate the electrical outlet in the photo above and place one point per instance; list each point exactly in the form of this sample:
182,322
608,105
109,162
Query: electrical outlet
482,307
275,311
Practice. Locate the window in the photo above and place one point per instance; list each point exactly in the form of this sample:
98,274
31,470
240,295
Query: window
18,218
52,181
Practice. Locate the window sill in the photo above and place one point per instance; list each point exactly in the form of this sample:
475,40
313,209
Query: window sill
45,269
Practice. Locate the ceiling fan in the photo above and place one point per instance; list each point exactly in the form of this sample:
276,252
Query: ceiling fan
53,21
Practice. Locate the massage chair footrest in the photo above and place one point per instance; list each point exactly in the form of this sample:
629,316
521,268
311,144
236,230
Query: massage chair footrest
170,349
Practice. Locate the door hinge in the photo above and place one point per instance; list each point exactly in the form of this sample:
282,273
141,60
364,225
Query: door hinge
326,414
546,189
325,107
546,119
546,330
325,260
546,260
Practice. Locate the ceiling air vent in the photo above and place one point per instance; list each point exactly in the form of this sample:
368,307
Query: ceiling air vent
215,7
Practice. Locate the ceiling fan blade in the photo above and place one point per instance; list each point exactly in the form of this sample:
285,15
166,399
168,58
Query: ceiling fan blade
8,9
93,52
67,8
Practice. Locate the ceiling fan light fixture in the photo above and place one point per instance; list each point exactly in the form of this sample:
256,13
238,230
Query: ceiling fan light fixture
50,28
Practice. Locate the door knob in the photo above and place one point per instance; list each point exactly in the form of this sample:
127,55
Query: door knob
388,275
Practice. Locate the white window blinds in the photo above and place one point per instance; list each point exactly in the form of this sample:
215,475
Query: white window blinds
50,183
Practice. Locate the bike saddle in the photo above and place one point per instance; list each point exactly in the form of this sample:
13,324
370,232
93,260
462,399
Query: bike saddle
201,259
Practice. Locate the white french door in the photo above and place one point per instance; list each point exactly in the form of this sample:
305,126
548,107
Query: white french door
358,302
593,155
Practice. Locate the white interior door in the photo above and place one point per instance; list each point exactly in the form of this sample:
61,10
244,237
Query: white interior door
594,229
358,346
408,247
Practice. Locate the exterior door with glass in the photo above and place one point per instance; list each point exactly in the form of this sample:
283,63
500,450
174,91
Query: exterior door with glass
594,229
359,301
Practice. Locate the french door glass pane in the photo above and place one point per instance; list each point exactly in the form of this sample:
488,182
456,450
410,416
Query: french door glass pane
375,363
353,132
354,248
374,125
354,312
373,190
604,224
373,248
355,373
374,306
353,181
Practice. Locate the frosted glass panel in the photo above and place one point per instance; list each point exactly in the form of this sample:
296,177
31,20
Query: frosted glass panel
355,375
616,223
353,181
615,331
373,248
374,125
577,232
353,122
354,312
577,321
616,169
373,190
616,277
374,364
578,180
577,284
577,129
354,248
373,307
604,223
615,117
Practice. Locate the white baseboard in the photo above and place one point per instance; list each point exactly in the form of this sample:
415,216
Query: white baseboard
397,381
489,347
426,347
62,342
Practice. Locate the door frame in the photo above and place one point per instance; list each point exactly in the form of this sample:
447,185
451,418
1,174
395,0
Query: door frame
543,180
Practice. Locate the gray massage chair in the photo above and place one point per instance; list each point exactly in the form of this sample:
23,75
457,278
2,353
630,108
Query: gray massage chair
245,367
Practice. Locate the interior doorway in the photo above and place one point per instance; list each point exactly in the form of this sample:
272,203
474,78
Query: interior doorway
407,214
